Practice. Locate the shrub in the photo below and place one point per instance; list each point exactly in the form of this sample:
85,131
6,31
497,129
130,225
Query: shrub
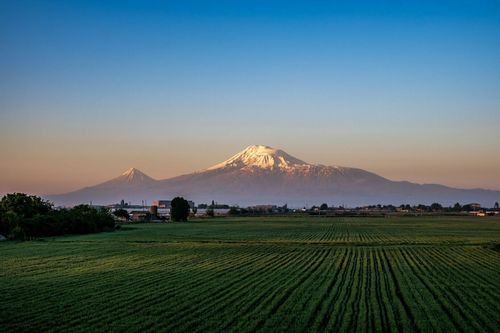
24,217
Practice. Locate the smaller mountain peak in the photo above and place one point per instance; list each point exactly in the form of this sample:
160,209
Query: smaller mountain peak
135,175
130,171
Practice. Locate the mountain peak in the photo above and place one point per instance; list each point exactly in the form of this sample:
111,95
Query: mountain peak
260,156
259,150
130,171
133,175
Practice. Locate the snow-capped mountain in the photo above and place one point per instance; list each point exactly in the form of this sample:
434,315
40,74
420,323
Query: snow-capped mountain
261,174
131,177
264,159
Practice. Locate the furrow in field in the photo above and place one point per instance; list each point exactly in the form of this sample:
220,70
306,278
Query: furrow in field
322,307
302,305
426,275
105,288
148,285
408,319
228,296
422,307
263,304
327,304
350,318
284,263
185,294
366,306
484,280
127,304
388,296
379,317
274,298
482,258
243,306
347,290
475,309
289,297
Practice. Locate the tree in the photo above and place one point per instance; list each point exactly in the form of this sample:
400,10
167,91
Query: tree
436,207
210,212
323,207
179,210
24,205
8,221
234,211
121,213
457,207
15,208
467,208
26,217
496,205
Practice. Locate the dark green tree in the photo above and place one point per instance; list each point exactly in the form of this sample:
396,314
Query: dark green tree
457,207
15,207
467,208
26,217
179,210
435,207
234,211
121,213
323,207
24,205
210,212
211,209
8,221
496,205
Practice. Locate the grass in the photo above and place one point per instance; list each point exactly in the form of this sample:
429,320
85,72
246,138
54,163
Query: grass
259,274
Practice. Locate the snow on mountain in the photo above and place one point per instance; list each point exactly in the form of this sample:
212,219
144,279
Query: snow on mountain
133,176
264,157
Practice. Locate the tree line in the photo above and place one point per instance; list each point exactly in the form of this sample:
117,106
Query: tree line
25,217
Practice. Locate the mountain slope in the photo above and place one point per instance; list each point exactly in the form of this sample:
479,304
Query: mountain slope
130,178
261,174
132,185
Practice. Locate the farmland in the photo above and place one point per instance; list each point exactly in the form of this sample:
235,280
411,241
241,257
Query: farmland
421,274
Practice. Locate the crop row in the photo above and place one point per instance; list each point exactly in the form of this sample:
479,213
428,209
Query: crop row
175,287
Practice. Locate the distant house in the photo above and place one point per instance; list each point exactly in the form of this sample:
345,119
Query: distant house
138,215
474,206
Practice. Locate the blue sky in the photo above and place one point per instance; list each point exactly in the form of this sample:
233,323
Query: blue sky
407,89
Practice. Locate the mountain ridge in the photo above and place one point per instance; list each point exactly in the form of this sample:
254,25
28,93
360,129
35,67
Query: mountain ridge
262,174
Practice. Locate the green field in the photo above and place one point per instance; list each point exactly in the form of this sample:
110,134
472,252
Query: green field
259,274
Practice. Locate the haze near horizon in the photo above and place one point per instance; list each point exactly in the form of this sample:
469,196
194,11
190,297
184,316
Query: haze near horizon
408,90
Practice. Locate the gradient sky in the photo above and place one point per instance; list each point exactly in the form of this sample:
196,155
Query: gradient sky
407,89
